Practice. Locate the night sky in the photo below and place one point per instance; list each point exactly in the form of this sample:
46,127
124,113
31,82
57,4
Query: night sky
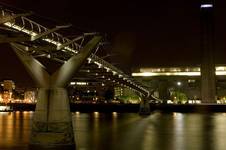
142,34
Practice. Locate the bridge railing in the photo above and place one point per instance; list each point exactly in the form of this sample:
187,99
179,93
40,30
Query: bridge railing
23,24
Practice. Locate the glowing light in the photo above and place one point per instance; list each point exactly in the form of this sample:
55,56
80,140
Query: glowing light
114,73
20,28
179,83
191,81
4,108
221,68
194,101
97,63
72,83
89,60
169,102
99,66
78,83
96,114
206,6
220,73
150,74
34,34
114,114
107,69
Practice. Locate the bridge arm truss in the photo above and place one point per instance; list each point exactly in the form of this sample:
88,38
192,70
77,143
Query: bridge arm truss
19,22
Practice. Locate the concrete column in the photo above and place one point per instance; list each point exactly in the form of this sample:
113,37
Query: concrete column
144,106
40,119
163,90
52,122
208,87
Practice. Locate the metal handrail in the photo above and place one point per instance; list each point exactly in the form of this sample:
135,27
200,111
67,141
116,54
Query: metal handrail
23,27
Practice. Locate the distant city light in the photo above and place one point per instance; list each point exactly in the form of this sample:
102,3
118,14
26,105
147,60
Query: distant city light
191,81
179,83
114,114
72,83
78,83
149,74
206,6
96,114
3,108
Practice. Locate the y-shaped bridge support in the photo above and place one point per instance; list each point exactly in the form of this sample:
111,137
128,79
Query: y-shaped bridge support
52,123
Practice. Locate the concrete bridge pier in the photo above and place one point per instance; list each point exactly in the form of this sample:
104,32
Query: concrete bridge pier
163,90
52,123
144,107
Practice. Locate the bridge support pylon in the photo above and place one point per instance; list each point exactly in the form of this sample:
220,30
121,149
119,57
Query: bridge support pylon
52,122
144,107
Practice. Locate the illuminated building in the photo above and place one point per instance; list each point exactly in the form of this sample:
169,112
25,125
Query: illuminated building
29,97
8,85
175,71
164,81
7,96
118,91
1,99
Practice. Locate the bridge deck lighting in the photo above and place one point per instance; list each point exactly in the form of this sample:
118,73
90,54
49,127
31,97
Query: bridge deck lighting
62,42
206,6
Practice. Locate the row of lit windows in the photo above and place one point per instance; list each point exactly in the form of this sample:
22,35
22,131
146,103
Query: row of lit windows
195,71
179,69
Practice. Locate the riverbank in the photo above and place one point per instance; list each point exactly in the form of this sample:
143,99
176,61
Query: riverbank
131,107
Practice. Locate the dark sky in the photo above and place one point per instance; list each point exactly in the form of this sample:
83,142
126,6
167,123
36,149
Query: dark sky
143,33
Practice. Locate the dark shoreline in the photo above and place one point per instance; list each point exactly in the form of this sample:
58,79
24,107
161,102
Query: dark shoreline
132,108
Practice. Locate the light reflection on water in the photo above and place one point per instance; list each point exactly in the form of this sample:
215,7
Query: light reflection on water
172,131
118,131
15,130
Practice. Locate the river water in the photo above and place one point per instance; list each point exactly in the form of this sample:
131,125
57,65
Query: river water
127,131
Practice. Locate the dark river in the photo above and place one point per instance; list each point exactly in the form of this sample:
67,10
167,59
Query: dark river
127,131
